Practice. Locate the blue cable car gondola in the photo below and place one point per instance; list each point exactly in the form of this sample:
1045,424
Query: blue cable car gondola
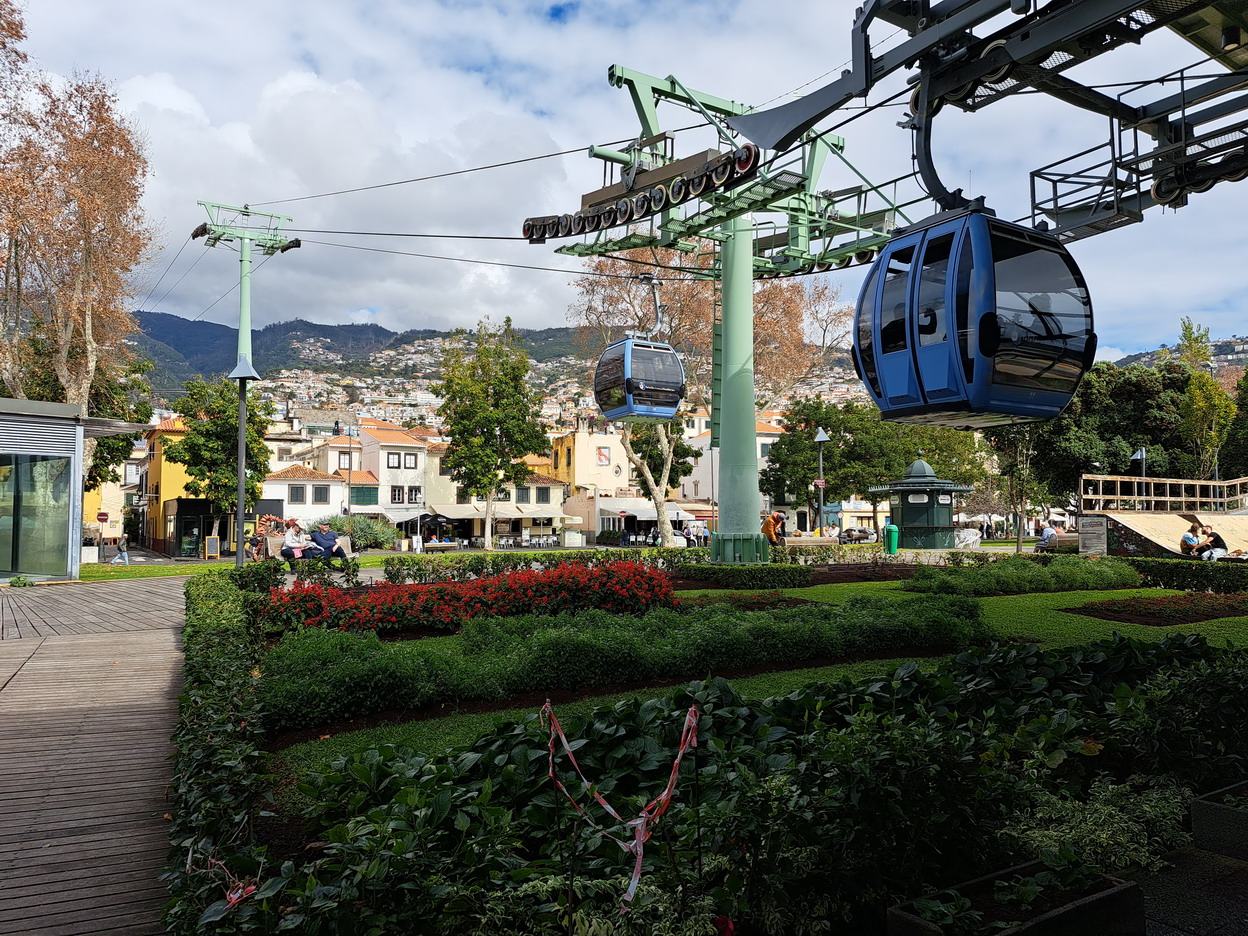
639,381
970,322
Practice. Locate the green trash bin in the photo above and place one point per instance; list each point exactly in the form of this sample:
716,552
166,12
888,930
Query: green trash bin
891,535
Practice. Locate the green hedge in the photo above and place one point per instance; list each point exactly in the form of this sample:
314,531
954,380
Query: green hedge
1020,575
217,778
315,677
1193,574
745,576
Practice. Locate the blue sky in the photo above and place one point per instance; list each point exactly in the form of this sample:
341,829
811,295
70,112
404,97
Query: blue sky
282,99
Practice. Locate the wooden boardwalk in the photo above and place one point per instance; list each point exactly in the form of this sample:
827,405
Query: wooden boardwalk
89,677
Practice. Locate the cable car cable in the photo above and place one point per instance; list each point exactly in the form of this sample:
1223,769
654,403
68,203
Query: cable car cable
168,267
455,172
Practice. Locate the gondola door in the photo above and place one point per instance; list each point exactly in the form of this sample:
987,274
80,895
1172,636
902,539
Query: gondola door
897,373
934,299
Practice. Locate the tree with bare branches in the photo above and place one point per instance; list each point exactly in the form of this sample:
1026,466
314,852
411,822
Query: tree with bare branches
72,231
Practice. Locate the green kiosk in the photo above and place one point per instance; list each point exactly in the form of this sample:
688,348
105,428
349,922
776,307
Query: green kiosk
922,506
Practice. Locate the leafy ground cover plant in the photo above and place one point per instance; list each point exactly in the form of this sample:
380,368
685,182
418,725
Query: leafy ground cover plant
1017,576
753,576
619,587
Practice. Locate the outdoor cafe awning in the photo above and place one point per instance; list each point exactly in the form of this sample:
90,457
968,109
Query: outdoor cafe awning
640,508
501,511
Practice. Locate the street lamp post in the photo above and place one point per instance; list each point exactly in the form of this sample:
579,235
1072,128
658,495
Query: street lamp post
821,436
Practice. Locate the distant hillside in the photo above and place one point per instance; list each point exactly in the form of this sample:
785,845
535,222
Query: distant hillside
180,349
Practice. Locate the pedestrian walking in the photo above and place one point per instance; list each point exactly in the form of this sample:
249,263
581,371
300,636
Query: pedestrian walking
123,550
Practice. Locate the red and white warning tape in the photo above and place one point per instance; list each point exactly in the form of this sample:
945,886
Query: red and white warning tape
641,826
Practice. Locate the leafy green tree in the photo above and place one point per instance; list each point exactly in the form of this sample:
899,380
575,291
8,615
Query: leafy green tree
1116,411
1015,448
491,412
793,462
865,451
1207,413
1193,347
1234,454
209,450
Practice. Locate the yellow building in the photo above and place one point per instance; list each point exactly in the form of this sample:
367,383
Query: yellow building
168,527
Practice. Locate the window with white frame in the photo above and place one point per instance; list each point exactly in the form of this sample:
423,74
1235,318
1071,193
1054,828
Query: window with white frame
393,459
413,494
409,459
344,460
396,494
297,494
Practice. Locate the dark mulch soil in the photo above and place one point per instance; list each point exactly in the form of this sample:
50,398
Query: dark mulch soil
1142,618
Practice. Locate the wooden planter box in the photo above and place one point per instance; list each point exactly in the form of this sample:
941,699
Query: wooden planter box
1118,910
1220,828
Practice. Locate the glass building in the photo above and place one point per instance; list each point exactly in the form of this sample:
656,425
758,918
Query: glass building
40,489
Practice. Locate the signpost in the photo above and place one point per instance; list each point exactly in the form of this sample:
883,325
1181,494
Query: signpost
101,517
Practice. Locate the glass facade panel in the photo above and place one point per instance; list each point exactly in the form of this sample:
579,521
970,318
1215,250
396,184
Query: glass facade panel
34,514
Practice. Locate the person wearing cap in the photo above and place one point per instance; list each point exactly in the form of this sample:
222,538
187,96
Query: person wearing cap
772,528
327,541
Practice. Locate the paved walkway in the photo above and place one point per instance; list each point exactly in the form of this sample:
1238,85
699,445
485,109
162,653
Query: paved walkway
89,678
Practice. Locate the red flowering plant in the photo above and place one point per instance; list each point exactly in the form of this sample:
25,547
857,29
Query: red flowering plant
618,587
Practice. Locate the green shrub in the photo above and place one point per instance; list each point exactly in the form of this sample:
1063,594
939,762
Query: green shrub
318,676
1192,575
259,577
1115,827
746,576
1018,575
365,532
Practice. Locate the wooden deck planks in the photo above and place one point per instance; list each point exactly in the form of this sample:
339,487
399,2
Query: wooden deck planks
88,696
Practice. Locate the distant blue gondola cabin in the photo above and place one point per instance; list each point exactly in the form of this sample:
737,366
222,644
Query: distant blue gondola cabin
639,381
969,321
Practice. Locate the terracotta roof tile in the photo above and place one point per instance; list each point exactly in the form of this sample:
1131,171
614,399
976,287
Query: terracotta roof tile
536,478
392,436
343,440
172,424
356,477
300,473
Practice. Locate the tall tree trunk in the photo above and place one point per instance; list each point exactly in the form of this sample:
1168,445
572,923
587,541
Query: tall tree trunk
488,540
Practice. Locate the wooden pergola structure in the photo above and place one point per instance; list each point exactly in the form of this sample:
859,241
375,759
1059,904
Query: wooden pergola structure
1101,493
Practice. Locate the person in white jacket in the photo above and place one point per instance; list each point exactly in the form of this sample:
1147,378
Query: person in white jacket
298,545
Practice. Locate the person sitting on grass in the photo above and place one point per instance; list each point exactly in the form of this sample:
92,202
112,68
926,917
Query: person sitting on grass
327,541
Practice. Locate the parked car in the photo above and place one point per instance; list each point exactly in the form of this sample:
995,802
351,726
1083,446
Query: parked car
858,535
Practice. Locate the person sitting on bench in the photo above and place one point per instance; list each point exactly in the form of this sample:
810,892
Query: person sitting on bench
297,545
326,541
1048,539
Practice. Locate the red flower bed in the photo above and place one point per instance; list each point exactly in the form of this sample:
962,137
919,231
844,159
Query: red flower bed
619,587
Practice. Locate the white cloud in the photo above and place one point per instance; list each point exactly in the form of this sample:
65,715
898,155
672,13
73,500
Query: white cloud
318,96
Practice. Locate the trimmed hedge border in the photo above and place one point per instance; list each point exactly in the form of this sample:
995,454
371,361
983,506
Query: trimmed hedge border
746,576
1192,574
217,779
459,567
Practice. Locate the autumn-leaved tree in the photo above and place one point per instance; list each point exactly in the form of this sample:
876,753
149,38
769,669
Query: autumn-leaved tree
209,449
491,412
799,325
72,231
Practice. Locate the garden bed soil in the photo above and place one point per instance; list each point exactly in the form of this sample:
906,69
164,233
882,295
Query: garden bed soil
1142,618
1165,610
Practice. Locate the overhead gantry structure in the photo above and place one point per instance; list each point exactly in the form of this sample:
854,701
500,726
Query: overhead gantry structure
1180,132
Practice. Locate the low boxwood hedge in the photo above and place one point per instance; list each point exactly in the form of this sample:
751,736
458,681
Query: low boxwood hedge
1019,575
316,677
1192,574
745,576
